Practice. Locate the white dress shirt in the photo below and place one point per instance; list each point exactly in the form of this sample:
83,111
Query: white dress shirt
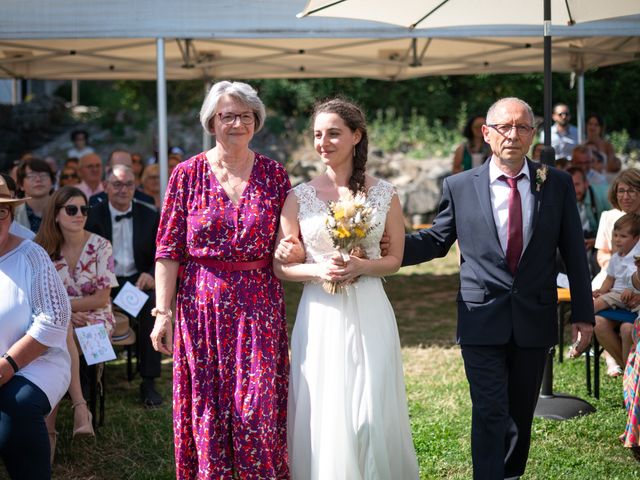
500,191
122,243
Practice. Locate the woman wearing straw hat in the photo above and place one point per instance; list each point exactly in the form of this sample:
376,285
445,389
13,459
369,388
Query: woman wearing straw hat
35,364
85,264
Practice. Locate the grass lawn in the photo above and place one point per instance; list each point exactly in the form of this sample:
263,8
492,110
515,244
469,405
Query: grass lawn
137,444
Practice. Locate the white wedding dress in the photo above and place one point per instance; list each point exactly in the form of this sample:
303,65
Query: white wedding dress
347,411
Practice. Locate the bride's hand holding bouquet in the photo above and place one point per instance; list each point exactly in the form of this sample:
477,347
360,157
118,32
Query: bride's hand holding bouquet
348,223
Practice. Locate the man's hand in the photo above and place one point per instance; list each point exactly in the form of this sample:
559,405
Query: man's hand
290,250
385,242
581,337
589,243
145,282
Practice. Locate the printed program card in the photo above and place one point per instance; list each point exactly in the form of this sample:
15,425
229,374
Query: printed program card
131,299
95,344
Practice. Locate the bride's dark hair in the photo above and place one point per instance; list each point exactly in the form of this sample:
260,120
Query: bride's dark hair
354,118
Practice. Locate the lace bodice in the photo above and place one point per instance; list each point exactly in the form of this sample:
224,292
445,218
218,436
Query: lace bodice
312,213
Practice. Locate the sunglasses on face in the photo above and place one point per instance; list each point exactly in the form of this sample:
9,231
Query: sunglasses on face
72,210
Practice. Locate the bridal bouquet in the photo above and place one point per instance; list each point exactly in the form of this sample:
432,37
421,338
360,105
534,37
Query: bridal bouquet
348,223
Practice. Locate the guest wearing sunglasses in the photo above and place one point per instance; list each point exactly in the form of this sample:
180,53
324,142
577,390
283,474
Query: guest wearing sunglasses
85,264
69,176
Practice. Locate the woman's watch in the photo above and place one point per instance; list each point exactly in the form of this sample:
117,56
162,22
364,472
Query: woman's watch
12,362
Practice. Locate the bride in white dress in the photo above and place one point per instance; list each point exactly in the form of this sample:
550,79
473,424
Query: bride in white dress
347,411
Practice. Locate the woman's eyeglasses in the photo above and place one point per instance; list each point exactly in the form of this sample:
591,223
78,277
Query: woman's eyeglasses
72,210
230,118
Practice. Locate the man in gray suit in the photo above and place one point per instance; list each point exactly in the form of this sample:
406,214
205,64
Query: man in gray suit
510,216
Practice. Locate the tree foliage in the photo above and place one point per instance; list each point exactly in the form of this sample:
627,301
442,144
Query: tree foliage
610,91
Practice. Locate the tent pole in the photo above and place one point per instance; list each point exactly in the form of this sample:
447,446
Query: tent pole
163,148
74,92
15,91
548,154
580,108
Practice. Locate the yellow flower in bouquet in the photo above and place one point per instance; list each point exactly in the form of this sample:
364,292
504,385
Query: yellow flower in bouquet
348,223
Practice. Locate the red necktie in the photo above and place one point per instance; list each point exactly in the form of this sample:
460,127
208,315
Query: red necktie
514,224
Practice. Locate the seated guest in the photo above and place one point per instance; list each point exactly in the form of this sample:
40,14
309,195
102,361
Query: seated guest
120,157
151,183
137,165
590,207
16,228
35,365
474,151
617,288
35,179
624,196
536,152
85,264
173,161
68,177
582,157
90,171
131,228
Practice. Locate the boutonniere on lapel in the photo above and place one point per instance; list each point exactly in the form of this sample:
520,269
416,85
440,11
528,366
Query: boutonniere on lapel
541,177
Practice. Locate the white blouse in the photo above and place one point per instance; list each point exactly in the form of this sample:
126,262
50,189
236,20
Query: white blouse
34,301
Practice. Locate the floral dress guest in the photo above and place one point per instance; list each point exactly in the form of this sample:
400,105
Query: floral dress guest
230,354
94,271
85,265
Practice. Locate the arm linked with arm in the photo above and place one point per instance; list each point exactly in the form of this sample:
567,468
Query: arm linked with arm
433,242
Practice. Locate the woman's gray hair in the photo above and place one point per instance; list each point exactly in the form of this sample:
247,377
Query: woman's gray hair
240,91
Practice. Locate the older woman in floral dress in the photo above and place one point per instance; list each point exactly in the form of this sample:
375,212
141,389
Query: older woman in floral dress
218,228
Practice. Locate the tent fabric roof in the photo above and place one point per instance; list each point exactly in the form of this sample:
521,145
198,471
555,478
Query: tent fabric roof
388,59
212,39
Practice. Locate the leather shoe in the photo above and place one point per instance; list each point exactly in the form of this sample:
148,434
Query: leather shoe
149,395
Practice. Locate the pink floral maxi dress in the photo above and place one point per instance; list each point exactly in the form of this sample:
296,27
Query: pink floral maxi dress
94,271
230,357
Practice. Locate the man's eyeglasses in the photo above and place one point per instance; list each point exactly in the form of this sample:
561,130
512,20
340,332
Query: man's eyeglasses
505,129
121,185
72,210
43,176
230,118
4,212
632,192
563,114
68,176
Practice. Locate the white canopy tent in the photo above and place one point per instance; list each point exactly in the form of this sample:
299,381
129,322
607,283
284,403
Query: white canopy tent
215,39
